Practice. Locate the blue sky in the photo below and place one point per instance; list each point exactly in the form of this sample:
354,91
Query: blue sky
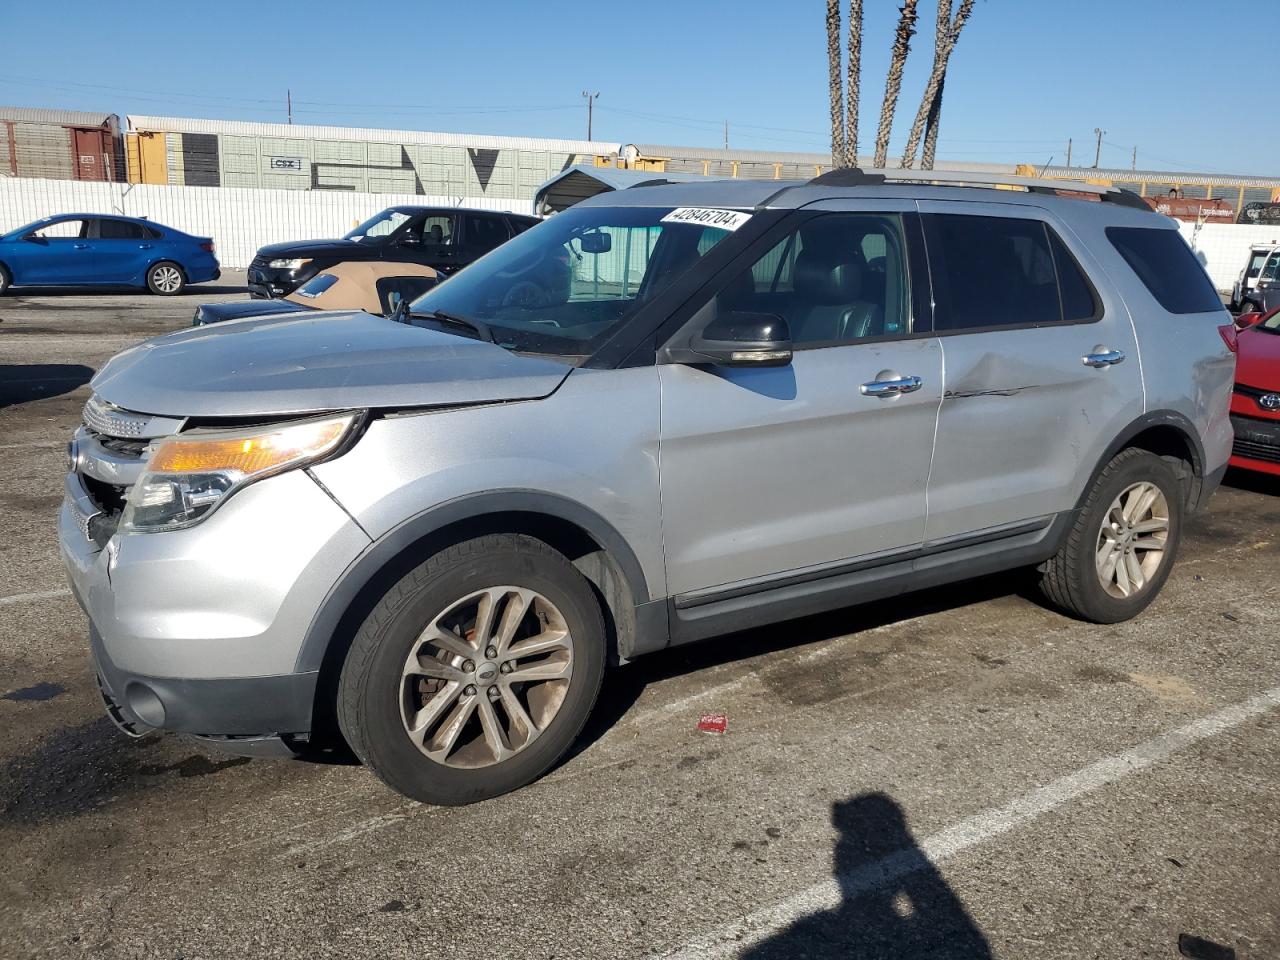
1027,75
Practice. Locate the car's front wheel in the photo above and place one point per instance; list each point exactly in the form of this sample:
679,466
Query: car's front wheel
1120,550
474,673
5,280
166,279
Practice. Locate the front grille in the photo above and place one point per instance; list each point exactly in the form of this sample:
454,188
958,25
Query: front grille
102,417
1256,451
134,449
1256,439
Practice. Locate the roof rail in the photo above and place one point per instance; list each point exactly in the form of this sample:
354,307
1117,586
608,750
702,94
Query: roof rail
856,177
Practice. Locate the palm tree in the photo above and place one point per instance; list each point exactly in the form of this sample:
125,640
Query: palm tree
893,83
838,156
855,82
926,122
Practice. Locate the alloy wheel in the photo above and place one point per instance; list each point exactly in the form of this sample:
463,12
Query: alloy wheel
167,279
486,677
1132,540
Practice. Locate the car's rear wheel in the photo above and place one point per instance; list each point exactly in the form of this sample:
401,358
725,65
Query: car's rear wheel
166,279
5,280
1121,548
475,673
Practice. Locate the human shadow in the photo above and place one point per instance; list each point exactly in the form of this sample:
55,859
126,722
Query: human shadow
894,903
24,382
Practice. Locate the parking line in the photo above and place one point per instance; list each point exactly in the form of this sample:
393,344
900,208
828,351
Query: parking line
732,938
40,595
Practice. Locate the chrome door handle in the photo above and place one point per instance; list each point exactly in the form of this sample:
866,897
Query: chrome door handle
891,388
80,246
1102,358
144,246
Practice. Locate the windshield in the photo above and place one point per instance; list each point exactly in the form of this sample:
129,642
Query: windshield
1255,264
1269,271
1270,323
386,222
564,286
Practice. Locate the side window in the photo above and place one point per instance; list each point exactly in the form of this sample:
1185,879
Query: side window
485,233
520,226
119,230
63,230
991,272
837,279
437,231
1079,300
1167,267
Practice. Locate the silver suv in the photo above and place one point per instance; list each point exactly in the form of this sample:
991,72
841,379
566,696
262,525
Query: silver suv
664,414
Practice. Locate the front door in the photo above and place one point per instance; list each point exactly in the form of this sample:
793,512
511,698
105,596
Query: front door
775,472
58,252
1042,368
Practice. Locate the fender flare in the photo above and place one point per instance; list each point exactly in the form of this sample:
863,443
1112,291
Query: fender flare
1153,418
363,571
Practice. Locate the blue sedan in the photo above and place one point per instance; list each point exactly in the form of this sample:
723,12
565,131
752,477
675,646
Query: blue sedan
77,249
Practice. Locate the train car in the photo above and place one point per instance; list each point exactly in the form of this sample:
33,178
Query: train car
60,144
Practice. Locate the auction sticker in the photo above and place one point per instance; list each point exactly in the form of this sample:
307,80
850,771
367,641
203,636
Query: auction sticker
707,217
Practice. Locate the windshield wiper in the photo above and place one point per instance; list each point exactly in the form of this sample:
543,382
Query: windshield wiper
451,319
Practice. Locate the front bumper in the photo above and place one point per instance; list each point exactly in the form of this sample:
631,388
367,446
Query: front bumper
254,716
199,631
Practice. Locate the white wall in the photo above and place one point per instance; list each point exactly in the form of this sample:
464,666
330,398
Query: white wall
1224,247
239,220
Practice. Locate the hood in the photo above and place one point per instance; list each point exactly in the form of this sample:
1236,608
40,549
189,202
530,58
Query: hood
1258,359
341,249
305,363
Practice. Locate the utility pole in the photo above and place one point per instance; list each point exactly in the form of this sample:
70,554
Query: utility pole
288,95
1097,153
591,98
1134,164
1068,153
726,134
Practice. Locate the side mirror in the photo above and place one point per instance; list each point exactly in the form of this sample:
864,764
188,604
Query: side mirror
737,340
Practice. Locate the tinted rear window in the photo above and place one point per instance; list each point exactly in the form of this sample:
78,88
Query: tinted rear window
1003,272
1167,267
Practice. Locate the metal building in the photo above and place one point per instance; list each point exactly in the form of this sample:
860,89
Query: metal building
212,153
60,144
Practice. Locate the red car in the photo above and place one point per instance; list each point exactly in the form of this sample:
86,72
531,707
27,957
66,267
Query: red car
1255,404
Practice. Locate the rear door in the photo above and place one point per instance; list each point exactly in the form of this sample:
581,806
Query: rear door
121,250
1041,367
790,472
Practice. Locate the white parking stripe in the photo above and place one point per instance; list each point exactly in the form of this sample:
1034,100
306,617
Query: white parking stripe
28,597
735,937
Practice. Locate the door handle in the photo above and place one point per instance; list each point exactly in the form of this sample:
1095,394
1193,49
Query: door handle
891,387
144,246
80,246
1102,357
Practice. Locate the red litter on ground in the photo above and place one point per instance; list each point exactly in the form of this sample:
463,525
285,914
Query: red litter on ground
713,723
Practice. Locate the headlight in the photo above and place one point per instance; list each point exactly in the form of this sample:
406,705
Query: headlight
188,476
288,264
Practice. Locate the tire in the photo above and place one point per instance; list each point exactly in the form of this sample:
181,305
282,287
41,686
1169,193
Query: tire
1248,306
6,280
166,279
1073,579
379,702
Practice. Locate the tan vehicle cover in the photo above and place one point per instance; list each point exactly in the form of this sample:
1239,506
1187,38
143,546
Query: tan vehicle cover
356,285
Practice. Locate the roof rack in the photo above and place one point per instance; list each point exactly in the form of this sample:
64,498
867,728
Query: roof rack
856,177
